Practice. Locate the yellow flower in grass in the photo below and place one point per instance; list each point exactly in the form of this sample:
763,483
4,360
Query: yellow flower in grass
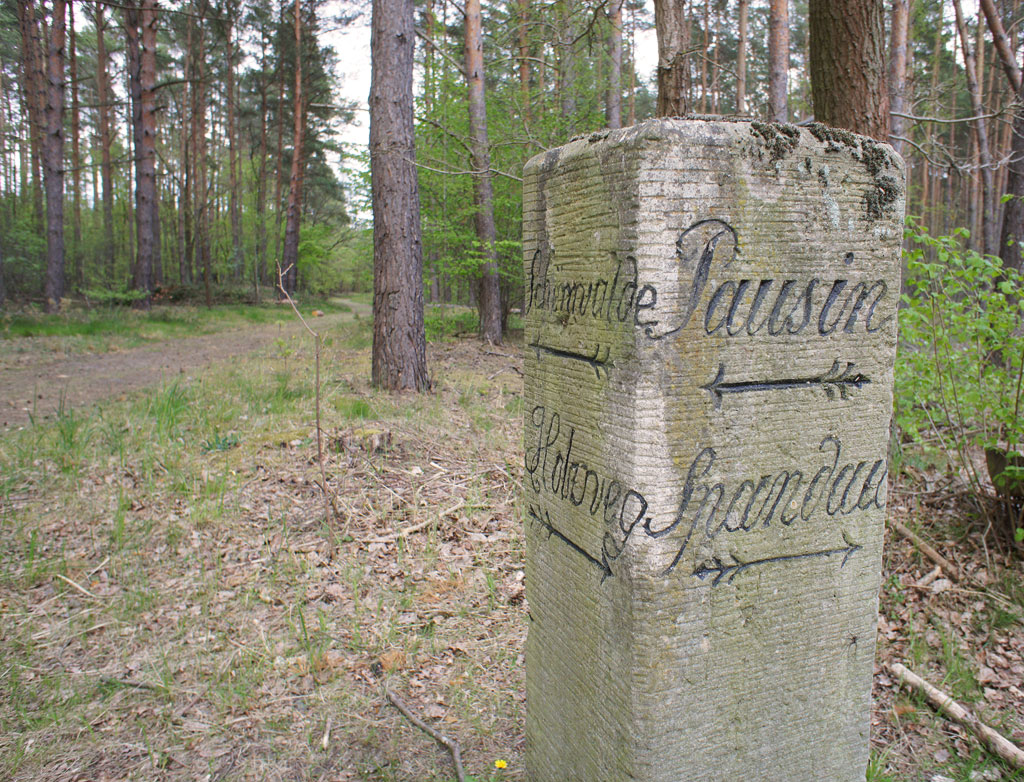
500,764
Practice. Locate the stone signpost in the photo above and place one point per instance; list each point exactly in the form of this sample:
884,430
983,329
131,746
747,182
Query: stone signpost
710,330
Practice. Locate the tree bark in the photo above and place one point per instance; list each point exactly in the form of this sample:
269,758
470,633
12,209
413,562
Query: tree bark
673,32
488,298
399,344
778,60
1012,232
142,75
741,60
980,133
237,246
847,65
53,160
199,157
34,87
524,59
76,156
613,103
898,71
106,168
1002,43
290,257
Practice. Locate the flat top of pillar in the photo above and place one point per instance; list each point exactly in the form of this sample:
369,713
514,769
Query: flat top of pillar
780,139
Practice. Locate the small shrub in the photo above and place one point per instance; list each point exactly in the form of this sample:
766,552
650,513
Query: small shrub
961,361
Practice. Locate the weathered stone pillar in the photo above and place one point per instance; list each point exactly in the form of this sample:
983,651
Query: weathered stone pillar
710,331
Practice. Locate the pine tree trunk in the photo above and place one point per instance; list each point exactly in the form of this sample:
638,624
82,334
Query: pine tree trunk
980,133
613,103
848,65
259,273
106,168
741,60
76,156
1012,233
237,246
778,61
898,71
142,75
673,30
290,259
34,87
202,209
53,160
483,191
399,345
279,178
524,59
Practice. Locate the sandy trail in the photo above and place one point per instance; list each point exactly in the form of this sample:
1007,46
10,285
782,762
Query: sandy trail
35,390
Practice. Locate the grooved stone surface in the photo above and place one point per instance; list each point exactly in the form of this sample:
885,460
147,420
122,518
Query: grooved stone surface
711,327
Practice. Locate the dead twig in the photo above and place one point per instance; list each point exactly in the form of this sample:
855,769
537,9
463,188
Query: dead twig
440,738
329,503
77,586
995,741
947,567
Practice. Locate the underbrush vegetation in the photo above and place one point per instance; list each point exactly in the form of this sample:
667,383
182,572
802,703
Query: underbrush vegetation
960,376
174,604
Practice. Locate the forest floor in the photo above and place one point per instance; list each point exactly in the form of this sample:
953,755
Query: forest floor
176,603
40,374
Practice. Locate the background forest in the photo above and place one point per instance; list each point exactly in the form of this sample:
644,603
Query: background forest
201,124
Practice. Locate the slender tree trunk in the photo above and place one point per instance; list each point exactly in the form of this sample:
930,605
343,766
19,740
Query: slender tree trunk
106,168
34,86
237,246
261,179
53,161
76,156
1012,233
980,132
524,59
399,345
567,63
483,191
898,71
290,259
704,58
142,74
741,60
778,61
279,179
1002,43
200,158
848,65
613,103
673,31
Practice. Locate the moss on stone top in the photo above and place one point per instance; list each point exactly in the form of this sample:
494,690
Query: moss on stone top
778,139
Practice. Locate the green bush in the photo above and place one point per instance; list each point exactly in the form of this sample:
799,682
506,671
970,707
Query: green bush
959,369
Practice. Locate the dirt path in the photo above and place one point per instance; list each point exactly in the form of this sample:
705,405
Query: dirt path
35,390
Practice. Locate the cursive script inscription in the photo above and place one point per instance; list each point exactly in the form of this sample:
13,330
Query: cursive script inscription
708,508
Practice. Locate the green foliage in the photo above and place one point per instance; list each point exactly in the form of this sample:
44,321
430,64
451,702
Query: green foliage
220,442
961,359
445,323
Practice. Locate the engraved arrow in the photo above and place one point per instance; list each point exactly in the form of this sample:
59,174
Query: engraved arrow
715,567
545,522
834,381
596,362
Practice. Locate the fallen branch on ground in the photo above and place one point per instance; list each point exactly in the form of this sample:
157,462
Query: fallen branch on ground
951,570
995,741
947,567
440,738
